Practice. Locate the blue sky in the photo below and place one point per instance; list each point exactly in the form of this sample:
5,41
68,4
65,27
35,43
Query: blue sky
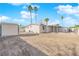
18,13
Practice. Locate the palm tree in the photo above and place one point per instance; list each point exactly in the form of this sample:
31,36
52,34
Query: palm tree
46,20
35,10
62,17
30,9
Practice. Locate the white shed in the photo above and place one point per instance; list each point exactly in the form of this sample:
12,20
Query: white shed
8,29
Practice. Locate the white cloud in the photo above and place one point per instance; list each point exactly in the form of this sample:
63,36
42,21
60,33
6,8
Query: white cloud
16,4
68,9
54,22
4,18
26,15
69,21
19,20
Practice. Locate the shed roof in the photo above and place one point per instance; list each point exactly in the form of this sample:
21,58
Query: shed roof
8,23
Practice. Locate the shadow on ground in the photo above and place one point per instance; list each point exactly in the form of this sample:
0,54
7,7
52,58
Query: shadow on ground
15,46
28,34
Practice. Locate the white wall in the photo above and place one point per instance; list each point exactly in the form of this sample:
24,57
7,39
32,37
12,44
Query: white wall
33,28
9,30
78,31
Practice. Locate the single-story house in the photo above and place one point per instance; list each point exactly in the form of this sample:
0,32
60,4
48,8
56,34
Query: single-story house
8,29
35,28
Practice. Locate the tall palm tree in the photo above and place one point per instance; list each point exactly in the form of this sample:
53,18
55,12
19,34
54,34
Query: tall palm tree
46,20
62,17
35,10
30,10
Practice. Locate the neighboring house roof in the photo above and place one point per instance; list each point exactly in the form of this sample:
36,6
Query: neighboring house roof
44,25
31,24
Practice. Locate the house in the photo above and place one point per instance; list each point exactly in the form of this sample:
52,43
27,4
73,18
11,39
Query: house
8,29
35,28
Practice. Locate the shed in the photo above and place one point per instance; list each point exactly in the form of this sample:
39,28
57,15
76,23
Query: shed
8,29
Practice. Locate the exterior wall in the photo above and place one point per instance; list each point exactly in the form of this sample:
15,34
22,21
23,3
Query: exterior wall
49,29
42,28
33,29
54,29
60,29
9,30
78,31
0,30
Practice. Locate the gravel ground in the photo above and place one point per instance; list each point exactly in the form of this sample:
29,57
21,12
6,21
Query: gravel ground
15,46
46,44
55,44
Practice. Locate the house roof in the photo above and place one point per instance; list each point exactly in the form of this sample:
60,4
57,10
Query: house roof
44,25
32,24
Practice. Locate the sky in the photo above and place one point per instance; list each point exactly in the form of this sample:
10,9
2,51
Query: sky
18,13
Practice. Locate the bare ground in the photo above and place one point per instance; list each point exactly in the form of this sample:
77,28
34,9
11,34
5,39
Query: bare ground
55,44
47,44
15,46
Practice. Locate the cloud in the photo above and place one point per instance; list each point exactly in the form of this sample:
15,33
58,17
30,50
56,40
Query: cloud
68,9
12,20
26,15
16,20
16,4
4,18
69,21
54,22
71,12
19,21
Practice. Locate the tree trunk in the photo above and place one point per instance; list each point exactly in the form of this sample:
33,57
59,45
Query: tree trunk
35,17
31,17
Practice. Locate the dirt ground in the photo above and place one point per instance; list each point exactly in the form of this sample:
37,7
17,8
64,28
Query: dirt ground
55,44
46,44
15,46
